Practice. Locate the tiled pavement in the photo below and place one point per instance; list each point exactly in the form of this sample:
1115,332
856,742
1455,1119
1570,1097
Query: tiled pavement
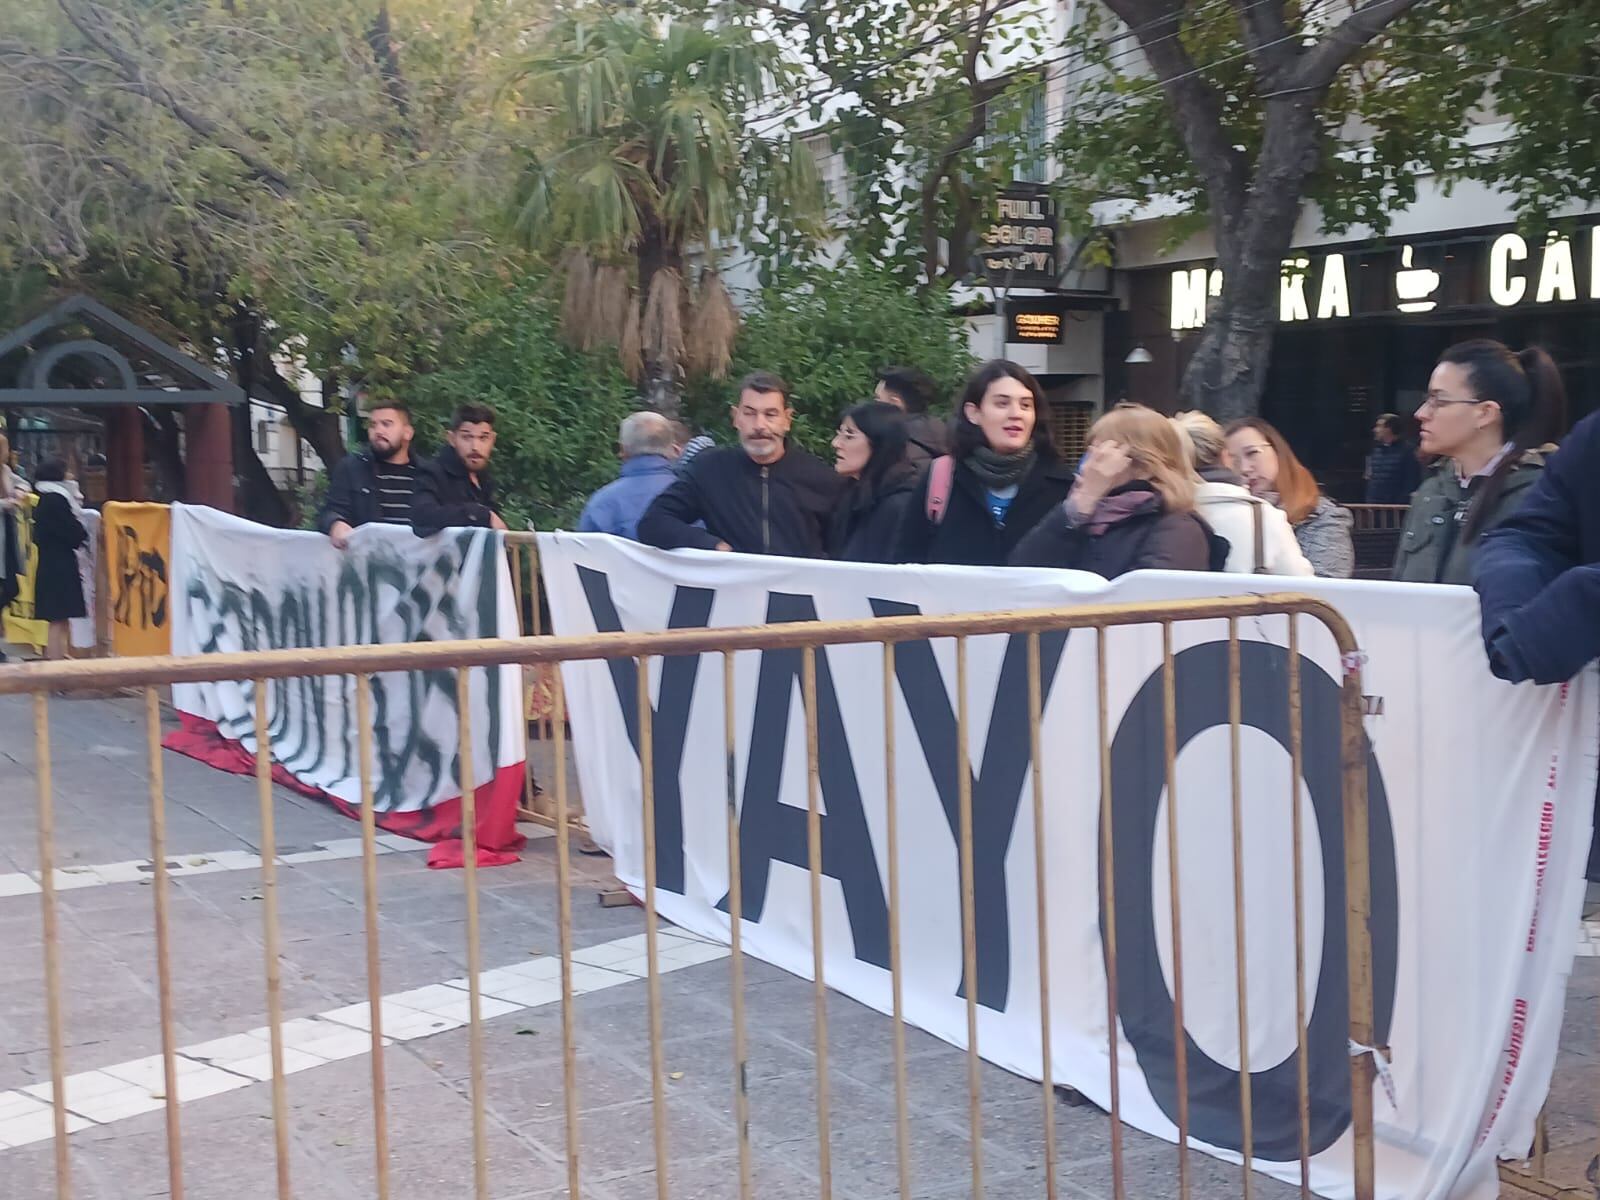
118,1148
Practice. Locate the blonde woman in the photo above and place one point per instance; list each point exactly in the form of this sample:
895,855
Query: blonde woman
1260,538
12,493
1131,508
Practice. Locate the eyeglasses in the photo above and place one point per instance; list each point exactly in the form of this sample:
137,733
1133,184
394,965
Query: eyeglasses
1433,403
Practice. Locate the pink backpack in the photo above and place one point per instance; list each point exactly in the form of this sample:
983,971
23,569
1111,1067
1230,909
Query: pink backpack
941,473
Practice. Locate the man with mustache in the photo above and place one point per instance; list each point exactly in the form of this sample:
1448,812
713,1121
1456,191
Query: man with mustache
763,496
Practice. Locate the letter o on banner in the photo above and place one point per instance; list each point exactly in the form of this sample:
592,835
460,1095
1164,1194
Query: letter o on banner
1138,772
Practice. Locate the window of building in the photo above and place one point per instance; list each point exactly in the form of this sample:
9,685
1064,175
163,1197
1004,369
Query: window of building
831,170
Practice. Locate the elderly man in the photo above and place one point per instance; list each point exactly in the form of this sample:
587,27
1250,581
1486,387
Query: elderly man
649,448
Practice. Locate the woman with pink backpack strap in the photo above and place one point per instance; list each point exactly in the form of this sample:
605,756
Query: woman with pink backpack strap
1000,479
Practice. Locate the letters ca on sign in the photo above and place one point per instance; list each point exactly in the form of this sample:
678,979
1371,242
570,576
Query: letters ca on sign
1519,272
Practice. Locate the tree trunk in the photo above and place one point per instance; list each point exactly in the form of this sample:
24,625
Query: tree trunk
662,388
1254,233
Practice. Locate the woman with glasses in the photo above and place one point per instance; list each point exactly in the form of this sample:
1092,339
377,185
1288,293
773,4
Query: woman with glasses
1489,414
1272,472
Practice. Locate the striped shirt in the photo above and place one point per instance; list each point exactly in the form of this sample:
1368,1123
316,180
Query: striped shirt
396,484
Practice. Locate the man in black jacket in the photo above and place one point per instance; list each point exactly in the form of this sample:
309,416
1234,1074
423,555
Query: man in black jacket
456,489
913,391
762,496
376,486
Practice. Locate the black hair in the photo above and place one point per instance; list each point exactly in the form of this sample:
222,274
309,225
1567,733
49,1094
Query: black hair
884,427
1532,399
472,414
1394,423
966,436
399,406
51,470
763,381
915,387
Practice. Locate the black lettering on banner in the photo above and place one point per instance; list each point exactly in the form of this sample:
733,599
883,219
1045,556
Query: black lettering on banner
669,726
1146,1010
141,598
996,788
375,599
772,831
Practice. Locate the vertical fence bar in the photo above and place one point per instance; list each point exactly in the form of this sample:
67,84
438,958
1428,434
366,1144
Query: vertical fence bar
808,691
1108,905
160,885
902,1119
1241,974
52,948
269,916
647,787
1358,916
969,934
1296,768
469,862
741,1073
569,1040
369,900
1035,707
1180,1036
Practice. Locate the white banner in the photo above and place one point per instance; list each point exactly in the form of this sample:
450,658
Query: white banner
1481,806
237,586
81,629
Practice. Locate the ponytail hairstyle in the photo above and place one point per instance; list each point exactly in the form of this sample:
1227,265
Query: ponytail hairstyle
1532,399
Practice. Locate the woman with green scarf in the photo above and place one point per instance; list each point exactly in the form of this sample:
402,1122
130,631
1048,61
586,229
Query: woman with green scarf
1000,479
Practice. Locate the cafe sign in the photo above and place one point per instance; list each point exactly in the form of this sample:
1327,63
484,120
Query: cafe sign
1508,271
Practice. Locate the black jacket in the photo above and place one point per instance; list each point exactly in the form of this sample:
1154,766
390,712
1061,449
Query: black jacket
927,437
446,496
968,535
1155,540
866,525
783,508
57,533
353,491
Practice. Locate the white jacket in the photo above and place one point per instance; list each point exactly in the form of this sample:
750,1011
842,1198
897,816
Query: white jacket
1232,511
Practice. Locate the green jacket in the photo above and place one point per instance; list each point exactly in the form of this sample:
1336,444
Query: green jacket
1431,549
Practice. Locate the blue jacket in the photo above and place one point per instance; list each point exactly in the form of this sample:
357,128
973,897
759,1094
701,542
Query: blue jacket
617,507
1538,573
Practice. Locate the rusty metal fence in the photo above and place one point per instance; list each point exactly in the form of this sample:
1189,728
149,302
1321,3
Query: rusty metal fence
361,663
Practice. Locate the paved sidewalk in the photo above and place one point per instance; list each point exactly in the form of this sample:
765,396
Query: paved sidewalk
112,1023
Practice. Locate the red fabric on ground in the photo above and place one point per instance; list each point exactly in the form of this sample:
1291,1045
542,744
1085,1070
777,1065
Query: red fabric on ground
498,839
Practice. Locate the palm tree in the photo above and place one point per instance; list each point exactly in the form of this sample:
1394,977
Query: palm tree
640,153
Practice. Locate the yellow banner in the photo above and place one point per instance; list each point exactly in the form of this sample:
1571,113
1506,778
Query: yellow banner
137,549
20,627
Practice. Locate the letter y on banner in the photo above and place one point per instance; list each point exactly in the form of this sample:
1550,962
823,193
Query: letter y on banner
996,789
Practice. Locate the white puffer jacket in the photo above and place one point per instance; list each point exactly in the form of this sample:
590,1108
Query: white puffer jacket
1232,512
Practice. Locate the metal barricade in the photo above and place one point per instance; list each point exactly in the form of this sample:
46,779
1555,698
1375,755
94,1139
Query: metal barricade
363,662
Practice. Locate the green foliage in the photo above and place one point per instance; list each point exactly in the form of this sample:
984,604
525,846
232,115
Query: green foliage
827,331
635,136
557,409
1396,114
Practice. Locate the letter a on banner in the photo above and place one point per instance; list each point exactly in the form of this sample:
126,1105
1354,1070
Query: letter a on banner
691,609
138,553
772,831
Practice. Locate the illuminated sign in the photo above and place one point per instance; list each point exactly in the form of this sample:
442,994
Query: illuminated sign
1031,325
1507,272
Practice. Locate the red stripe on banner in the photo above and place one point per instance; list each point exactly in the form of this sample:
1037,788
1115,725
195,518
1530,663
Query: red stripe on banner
498,839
